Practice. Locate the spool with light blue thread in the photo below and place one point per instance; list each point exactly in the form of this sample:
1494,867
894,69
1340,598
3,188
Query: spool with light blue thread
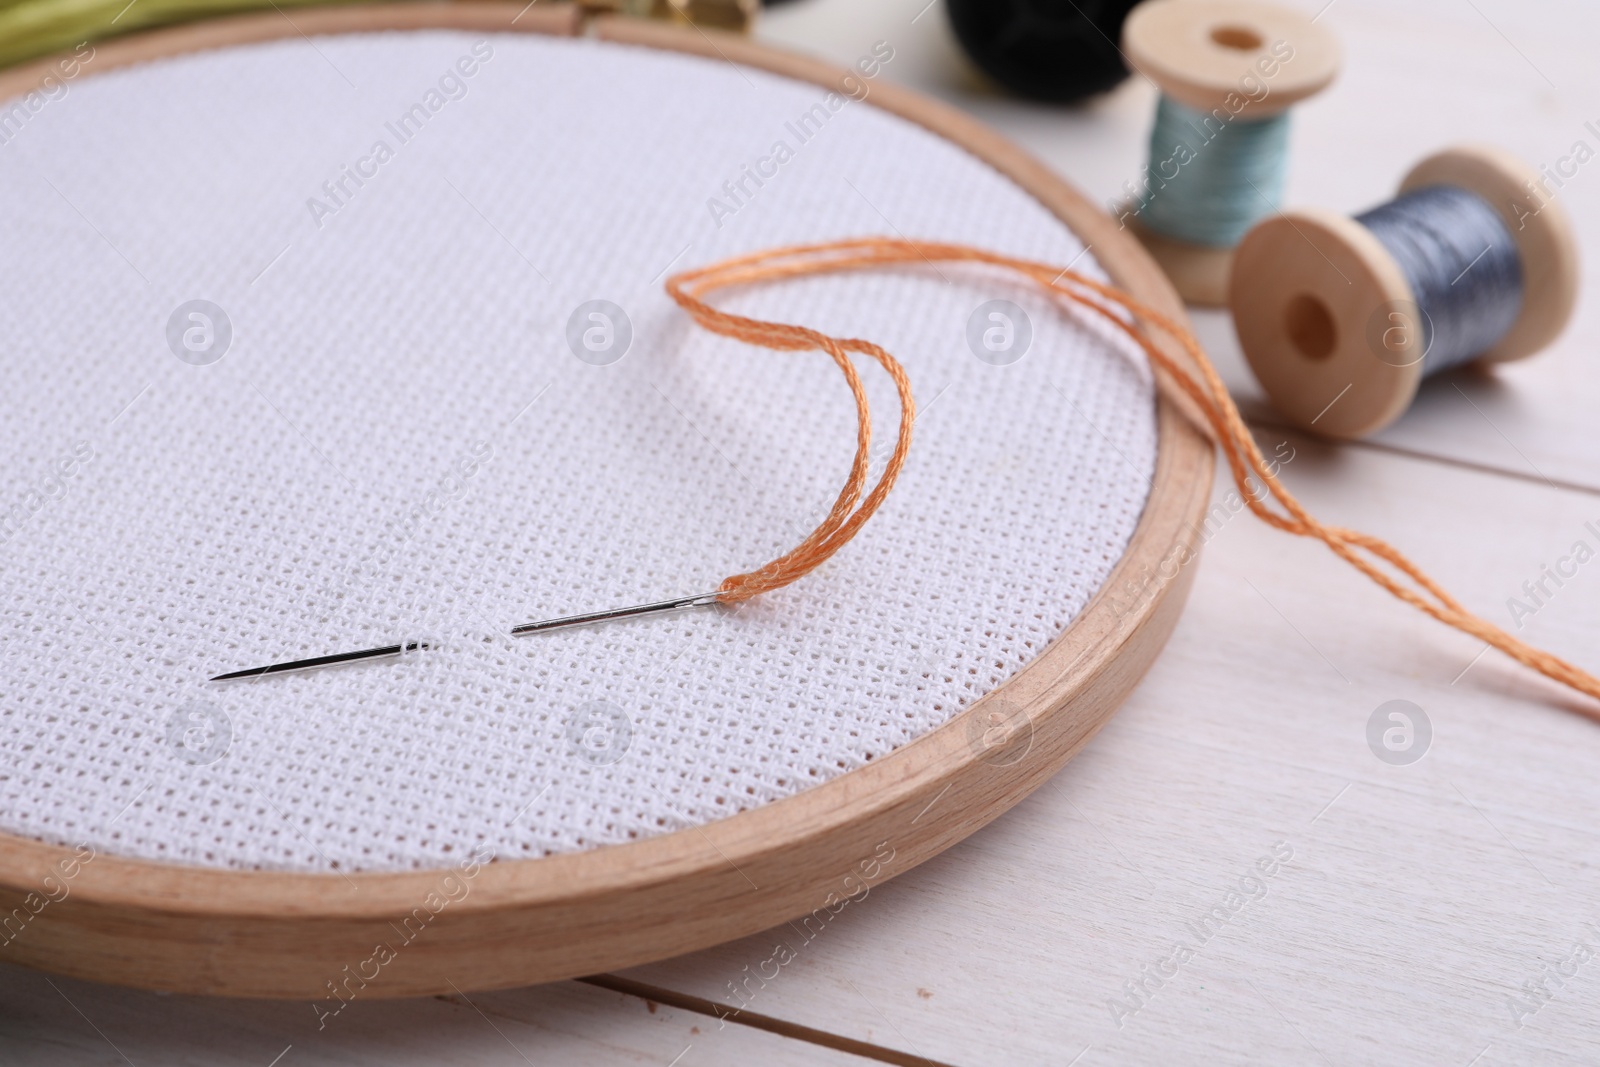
1234,177
1342,318
1228,71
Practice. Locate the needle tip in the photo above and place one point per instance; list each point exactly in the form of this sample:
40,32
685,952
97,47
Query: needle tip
384,652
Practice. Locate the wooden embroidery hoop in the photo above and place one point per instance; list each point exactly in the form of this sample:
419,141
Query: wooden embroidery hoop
271,934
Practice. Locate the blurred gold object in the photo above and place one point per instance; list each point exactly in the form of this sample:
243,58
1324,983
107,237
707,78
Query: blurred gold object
735,15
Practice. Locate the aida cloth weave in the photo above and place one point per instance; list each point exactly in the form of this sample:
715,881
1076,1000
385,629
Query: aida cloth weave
401,441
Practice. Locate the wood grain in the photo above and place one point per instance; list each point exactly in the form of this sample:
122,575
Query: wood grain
296,935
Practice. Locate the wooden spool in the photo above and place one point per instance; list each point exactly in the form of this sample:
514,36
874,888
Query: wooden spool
1329,322
275,934
1207,55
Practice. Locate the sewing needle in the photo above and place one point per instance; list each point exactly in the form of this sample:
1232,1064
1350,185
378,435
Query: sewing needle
679,604
389,651
315,663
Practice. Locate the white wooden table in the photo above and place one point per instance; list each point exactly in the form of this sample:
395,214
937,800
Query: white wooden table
1426,913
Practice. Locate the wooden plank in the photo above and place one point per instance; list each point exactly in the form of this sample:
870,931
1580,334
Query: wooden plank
1417,900
65,1022
1417,76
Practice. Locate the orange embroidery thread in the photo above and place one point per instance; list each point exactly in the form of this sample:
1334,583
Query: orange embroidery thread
846,517
1203,387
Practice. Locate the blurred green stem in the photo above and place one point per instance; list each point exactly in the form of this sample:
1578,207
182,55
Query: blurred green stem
33,28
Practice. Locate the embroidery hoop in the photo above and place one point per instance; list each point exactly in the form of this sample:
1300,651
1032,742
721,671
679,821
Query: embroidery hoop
202,930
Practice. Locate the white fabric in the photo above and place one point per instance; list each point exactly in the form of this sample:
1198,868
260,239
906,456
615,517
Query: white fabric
256,509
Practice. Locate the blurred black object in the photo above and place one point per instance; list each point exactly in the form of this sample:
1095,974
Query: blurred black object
1061,51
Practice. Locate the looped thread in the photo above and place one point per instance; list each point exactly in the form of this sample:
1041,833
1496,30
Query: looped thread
1198,382
841,522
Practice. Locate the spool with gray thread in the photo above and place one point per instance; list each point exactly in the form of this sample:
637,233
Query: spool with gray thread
1462,264
1342,318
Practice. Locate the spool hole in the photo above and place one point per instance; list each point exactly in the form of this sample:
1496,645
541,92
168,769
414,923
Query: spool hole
1310,326
1239,38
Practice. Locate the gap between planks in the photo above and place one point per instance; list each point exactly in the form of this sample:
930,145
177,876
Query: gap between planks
1259,423
754,1020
